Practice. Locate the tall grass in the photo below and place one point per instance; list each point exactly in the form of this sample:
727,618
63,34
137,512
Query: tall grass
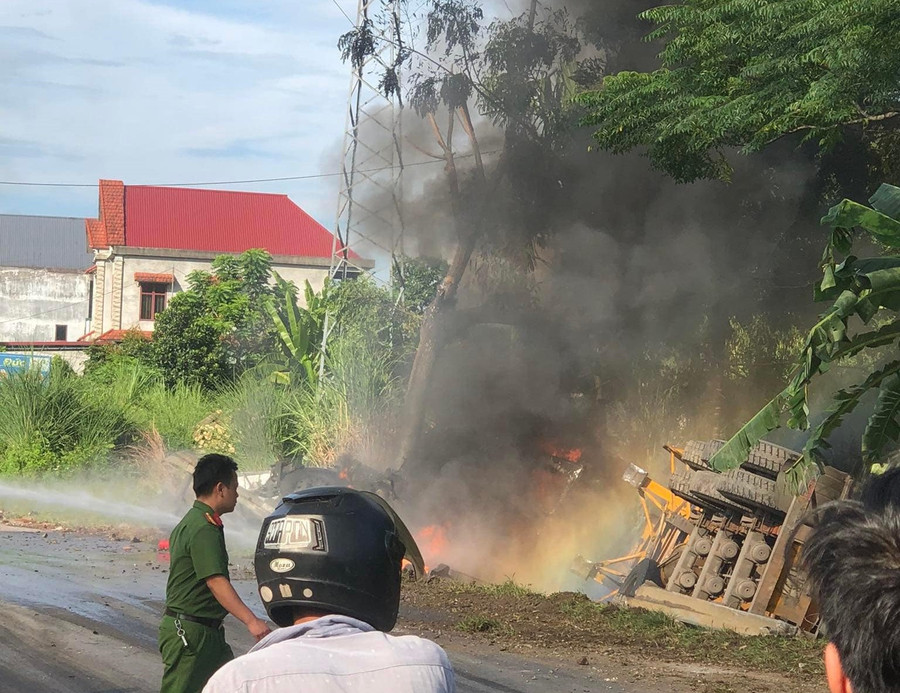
346,410
255,410
173,413
65,421
55,424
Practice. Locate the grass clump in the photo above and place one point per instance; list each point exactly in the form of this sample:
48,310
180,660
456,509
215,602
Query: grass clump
481,624
55,424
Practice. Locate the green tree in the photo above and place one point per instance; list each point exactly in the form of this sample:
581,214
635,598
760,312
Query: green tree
418,279
134,347
220,326
745,73
518,73
861,292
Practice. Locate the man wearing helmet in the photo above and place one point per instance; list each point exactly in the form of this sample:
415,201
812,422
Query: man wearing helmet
198,592
328,564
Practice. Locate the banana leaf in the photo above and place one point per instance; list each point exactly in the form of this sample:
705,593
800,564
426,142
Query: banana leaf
856,287
845,401
734,453
848,214
887,200
883,426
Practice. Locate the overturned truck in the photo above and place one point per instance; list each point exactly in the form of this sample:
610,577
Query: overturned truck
722,549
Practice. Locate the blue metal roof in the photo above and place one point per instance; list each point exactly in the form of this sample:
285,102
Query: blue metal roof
44,242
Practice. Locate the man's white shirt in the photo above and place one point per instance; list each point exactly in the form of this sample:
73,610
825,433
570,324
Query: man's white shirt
337,653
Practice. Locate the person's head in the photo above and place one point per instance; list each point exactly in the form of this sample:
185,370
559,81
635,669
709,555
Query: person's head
330,551
215,482
852,558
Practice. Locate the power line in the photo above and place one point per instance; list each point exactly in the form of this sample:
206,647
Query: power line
236,182
343,12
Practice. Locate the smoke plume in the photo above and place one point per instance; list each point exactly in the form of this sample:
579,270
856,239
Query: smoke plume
549,345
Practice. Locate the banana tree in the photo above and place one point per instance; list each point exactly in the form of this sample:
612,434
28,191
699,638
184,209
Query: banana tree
858,288
299,330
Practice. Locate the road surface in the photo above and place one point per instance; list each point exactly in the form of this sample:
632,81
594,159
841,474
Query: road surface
80,614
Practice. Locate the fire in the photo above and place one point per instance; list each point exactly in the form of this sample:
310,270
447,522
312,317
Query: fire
343,475
563,453
432,541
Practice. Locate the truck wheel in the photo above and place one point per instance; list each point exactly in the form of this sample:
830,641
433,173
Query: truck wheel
705,485
765,458
768,459
680,485
750,490
697,452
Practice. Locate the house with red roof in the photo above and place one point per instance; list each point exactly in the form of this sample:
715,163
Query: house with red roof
147,239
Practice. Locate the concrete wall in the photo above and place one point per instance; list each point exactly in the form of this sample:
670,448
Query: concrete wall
120,302
76,357
34,301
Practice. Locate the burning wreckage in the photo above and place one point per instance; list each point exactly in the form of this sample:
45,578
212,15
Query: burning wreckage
555,477
717,549
721,549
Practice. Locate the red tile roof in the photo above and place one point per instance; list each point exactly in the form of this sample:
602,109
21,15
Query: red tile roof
96,233
220,221
119,335
153,278
112,210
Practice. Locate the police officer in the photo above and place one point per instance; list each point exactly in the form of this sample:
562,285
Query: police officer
328,564
199,593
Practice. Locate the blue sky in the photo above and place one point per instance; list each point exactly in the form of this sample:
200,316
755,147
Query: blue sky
155,92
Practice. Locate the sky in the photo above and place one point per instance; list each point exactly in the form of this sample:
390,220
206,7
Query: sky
170,91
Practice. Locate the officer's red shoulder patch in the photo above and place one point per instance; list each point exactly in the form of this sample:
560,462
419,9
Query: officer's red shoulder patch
214,519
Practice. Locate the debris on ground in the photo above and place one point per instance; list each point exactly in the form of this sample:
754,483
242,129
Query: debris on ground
572,626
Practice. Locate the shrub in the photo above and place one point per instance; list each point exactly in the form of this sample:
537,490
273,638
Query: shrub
55,424
345,412
173,413
256,420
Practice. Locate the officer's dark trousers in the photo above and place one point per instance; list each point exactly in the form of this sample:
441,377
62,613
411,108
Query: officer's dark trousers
188,668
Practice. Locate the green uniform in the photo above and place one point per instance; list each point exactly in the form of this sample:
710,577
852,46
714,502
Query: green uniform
197,551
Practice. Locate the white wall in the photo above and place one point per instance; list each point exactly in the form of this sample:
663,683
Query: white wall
127,301
34,301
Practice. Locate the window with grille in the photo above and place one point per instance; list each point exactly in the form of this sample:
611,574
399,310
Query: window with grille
62,332
153,300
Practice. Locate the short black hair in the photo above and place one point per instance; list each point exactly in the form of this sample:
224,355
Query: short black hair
852,558
210,470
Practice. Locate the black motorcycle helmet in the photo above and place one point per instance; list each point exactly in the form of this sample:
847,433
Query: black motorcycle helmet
332,549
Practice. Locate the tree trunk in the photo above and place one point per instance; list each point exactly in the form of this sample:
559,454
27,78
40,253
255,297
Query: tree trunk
430,341
430,338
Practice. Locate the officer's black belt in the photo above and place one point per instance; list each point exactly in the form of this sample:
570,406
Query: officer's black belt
214,623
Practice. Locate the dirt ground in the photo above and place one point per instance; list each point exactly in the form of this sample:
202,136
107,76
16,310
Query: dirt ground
81,611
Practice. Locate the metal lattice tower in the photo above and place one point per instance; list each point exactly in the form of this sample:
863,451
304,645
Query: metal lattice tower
370,202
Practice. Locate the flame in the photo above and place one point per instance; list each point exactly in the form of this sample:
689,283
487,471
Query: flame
343,475
432,541
551,448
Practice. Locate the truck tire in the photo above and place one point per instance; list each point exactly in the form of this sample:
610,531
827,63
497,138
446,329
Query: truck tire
705,485
680,485
750,490
767,459
697,452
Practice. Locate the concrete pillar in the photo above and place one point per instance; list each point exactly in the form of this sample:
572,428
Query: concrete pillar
118,268
99,299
